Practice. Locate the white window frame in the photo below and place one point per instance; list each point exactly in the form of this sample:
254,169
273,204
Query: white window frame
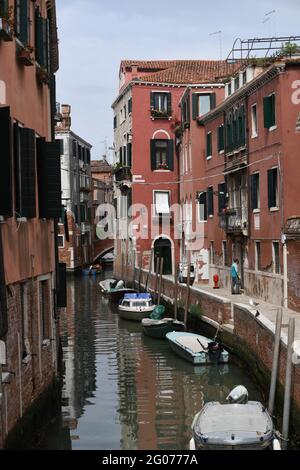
156,214
202,221
60,235
274,257
254,123
204,93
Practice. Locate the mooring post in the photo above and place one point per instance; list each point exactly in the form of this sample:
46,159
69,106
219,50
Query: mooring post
275,362
288,383
149,271
160,280
187,302
133,268
176,293
156,278
140,272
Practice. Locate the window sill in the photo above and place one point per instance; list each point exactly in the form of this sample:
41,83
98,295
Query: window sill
256,211
254,136
209,157
221,152
273,209
46,343
273,128
202,221
162,171
210,216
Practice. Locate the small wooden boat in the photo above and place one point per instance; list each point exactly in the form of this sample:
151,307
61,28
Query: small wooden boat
136,306
115,290
197,349
159,328
237,425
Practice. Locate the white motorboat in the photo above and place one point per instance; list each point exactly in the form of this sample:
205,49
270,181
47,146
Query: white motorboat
136,306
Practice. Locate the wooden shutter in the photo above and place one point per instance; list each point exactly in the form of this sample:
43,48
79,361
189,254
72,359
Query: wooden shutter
25,171
129,105
3,8
210,201
61,293
222,196
24,22
3,297
129,154
170,155
115,122
152,100
267,112
209,144
49,179
6,208
195,105
253,185
121,155
169,104
153,154
220,138
271,189
212,100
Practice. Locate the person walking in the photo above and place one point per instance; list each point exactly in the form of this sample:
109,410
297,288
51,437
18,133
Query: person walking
235,279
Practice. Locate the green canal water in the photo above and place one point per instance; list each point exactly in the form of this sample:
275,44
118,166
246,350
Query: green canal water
122,390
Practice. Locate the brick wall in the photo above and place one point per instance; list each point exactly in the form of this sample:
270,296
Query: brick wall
31,363
294,274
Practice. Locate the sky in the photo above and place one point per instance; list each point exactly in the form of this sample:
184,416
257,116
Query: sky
95,35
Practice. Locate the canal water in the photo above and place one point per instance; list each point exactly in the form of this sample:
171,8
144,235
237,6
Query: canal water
122,390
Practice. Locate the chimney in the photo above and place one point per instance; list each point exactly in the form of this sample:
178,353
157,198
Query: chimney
134,70
66,116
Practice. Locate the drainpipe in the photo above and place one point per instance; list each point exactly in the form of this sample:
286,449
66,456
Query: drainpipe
285,273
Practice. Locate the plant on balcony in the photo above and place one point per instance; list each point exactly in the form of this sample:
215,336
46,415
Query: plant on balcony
42,75
162,166
6,24
157,113
116,167
24,55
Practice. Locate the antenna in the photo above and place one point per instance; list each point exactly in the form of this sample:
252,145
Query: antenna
220,39
269,15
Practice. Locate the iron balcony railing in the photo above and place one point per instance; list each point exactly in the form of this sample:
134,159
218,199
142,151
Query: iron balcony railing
123,174
234,219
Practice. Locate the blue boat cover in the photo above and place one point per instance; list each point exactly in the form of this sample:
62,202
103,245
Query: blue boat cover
137,296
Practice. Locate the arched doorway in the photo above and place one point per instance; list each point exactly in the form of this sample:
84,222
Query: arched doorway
163,248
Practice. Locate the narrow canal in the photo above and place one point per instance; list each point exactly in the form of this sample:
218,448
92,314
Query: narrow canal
122,390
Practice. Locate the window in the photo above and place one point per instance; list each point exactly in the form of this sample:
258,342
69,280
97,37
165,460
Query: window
210,201
222,197
254,121
203,103
244,77
255,191
121,115
22,21
276,257
115,122
225,253
236,83
125,112
229,89
162,155
160,104
6,186
41,39
212,253
221,138
45,309
61,241
24,320
130,106
273,188
208,145
162,202
269,111
202,207
185,110
257,256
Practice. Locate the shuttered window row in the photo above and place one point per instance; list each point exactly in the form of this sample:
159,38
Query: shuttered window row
31,157
22,21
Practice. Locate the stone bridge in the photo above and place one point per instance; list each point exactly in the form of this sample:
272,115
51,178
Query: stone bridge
102,247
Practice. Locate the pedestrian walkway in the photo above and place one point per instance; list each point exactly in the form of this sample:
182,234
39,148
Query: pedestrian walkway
265,309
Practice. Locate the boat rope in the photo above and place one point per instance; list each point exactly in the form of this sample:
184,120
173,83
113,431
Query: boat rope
218,331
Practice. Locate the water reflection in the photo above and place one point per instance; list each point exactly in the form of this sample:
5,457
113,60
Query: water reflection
123,390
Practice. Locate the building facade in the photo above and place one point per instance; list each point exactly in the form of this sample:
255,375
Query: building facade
75,227
31,288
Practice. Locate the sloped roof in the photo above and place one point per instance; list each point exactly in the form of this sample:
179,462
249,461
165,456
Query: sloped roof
100,166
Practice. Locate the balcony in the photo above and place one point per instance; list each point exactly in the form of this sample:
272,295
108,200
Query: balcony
159,114
234,220
236,159
6,32
122,173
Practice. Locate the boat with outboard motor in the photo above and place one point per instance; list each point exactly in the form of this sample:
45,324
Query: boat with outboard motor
239,424
197,349
136,306
114,289
157,327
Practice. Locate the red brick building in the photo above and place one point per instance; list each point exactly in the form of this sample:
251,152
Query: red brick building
30,289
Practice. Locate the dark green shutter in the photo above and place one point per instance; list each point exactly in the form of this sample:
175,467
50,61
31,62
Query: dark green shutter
254,188
153,154
210,201
170,156
195,105
267,112
61,294
39,40
25,172
152,100
129,105
222,196
209,144
220,138
129,154
3,297
115,122
6,208
24,22
270,189
49,179
212,100
3,8
121,155
169,100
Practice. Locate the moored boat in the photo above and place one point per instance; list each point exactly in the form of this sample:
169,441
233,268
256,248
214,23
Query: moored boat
159,328
115,290
239,424
136,306
197,349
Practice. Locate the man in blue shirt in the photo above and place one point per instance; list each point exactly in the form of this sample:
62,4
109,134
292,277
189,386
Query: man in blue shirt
234,276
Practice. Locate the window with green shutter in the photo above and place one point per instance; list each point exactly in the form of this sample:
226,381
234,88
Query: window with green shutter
3,8
222,198
162,154
210,201
22,21
130,105
202,206
269,111
208,145
255,193
49,178
42,40
6,208
221,138
273,188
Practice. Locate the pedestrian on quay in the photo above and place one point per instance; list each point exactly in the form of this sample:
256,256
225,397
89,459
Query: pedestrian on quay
235,278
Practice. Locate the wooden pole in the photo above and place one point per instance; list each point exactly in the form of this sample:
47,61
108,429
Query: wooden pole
160,280
126,263
149,271
187,289
140,271
133,268
176,293
288,383
275,362
156,278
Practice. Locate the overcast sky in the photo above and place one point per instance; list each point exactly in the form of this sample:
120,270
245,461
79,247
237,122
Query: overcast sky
95,35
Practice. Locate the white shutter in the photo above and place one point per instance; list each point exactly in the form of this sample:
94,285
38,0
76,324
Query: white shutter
162,205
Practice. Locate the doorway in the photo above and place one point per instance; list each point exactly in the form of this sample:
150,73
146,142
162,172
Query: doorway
163,249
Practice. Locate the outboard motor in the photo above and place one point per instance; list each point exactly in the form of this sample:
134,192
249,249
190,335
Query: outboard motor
238,395
214,350
120,285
